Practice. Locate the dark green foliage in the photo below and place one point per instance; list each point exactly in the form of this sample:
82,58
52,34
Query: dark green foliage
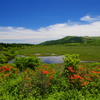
27,62
68,39
14,45
1,47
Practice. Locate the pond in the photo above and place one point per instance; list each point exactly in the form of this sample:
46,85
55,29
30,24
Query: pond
47,59
51,59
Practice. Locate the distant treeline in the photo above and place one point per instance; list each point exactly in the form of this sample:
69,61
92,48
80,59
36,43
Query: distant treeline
69,40
14,44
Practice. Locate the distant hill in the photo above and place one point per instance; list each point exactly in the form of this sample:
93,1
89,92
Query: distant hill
74,39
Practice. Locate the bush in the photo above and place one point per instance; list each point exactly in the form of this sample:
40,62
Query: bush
27,62
3,59
71,60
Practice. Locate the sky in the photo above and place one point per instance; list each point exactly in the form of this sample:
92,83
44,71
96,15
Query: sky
36,21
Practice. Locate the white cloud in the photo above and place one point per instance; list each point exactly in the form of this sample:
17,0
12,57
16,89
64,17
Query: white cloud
52,32
90,19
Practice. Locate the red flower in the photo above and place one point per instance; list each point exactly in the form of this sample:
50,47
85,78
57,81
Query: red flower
45,72
7,69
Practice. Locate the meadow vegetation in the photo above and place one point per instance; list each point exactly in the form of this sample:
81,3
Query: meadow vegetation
69,81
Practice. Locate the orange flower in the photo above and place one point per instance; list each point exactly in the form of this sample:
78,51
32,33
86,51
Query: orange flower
28,78
71,69
53,71
2,71
6,75
0,76
81,68
41,69
95,72
88,78
29,84
51,76
78,77
71,77
26,71
84,83
98,72
1,68
16,72
43,65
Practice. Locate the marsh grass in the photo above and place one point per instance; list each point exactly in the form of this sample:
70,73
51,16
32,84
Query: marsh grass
86,52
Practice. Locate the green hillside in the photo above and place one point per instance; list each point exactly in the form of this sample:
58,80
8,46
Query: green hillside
74,40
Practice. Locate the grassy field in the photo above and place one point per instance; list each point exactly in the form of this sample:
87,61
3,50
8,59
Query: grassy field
85,52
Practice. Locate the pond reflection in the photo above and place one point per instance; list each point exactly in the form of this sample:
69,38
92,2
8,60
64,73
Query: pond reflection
51,59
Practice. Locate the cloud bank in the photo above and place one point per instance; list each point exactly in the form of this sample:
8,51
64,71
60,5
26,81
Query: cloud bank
52,32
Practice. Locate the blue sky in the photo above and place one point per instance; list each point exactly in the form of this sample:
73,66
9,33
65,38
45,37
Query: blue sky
35,21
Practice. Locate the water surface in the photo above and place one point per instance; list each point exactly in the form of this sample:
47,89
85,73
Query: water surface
51,59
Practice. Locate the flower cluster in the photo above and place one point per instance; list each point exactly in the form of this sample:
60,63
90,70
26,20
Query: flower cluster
6,70
76,77
3,69
83,76
95,72
84,83
47,71
71,69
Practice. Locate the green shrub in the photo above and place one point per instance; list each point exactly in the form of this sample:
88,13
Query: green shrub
3,59
27,62
71,60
